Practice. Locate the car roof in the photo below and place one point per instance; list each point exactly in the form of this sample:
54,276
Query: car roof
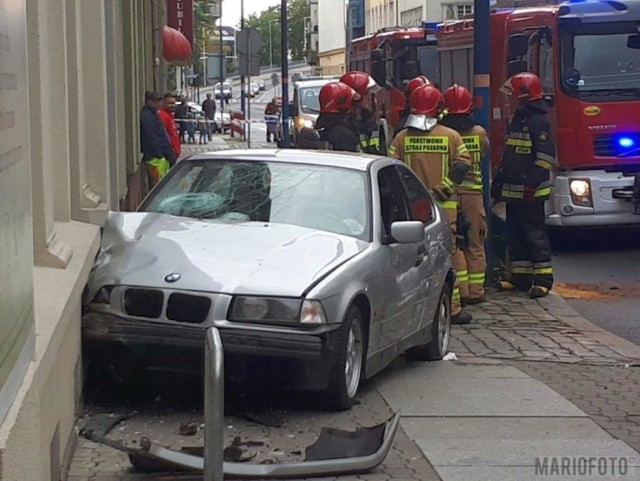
316,82
346,160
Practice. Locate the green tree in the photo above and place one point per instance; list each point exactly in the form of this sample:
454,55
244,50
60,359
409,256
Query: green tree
297,10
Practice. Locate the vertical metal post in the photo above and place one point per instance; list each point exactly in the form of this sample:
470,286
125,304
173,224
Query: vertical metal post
222,60
285,74
213,407
248,116
242,79
482,93
270,47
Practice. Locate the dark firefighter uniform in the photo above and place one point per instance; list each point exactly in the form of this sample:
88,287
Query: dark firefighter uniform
523,181
368,132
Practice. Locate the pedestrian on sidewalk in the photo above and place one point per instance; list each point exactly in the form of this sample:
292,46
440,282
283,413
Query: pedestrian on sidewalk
167,115
441,162
203,127
209,109
523,182
181,115
154,141
459,104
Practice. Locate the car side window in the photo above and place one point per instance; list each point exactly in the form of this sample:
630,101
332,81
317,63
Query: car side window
392,200
420,204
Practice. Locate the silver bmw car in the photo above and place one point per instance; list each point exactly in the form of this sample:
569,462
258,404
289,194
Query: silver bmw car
322,267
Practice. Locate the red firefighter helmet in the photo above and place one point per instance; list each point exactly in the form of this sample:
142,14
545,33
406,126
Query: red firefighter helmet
336,98
416,83
427,100
458,100
526,87
361,82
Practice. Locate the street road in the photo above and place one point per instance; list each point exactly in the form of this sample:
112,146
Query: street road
598,273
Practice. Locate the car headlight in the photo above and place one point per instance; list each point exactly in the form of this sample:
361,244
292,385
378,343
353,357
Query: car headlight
312,313
581,192
302,123
265,309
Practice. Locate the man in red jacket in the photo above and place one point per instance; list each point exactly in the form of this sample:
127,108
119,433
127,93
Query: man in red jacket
167,115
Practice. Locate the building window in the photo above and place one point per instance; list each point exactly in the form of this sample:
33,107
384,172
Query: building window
456,11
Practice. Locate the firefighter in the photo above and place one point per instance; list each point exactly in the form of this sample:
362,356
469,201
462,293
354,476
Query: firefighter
523,182
366,123
459,105
439,156
412,86
335,123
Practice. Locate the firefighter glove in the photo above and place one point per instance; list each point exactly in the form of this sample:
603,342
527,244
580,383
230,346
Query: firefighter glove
442,193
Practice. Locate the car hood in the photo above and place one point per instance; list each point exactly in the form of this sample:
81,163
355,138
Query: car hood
141,249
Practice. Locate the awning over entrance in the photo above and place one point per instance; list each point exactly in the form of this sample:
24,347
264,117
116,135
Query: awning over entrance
177,48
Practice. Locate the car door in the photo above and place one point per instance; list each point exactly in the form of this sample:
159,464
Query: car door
403,292
423,209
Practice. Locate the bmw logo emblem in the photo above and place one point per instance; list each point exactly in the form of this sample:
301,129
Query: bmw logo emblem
173,277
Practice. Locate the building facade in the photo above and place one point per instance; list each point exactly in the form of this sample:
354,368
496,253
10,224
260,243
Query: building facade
413,12
380,14
332,37
72,80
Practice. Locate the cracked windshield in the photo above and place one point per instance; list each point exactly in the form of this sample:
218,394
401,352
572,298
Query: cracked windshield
323,198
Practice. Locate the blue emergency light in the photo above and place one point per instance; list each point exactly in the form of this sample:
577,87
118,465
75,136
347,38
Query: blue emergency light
626,142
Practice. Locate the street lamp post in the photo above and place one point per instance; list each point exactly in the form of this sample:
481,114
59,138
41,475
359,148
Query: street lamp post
271,44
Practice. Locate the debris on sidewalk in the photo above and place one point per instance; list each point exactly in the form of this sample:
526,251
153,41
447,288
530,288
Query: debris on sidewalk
188,429
451,356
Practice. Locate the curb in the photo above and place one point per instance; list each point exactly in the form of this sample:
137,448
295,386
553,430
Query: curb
556,305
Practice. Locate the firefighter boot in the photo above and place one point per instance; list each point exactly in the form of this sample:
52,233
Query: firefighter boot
538,291
463,317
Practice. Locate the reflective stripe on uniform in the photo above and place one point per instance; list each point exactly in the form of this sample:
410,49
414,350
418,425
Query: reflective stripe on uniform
448,183
544,164
392,150
448,204
478,278
463,276
456,294
521,267
519,142
541,268
426,144
474,147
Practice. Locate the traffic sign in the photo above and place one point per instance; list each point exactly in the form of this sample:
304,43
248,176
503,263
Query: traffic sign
249,41
275,80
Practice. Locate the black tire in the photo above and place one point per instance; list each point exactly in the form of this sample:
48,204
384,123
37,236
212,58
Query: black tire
441,326
341,392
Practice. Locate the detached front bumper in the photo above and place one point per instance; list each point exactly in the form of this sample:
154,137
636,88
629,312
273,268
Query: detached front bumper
306,358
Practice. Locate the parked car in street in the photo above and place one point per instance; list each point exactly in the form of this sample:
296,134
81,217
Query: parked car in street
320,266
223,119
224,90
305,106
254,90
261,85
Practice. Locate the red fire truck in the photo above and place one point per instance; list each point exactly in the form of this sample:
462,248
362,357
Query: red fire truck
587,54
393,56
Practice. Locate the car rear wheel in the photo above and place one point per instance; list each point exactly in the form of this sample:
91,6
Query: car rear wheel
347,370
440,331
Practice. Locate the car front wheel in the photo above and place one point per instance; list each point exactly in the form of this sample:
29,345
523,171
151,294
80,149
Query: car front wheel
347,370
440,331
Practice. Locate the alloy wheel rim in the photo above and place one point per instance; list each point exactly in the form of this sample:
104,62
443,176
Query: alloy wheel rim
353,364
444,325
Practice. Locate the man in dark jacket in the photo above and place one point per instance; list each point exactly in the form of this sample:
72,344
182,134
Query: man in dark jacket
182,114
523,181
209,108
154,140
335,123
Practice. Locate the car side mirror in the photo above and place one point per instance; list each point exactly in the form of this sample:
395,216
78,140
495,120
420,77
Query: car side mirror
408,232
293,109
